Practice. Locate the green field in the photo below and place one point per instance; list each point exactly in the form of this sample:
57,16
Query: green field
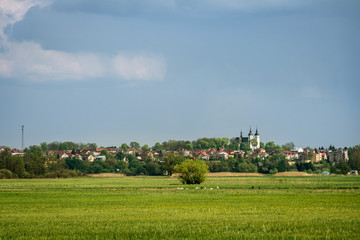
311,207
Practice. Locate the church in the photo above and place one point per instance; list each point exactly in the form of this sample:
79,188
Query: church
249,138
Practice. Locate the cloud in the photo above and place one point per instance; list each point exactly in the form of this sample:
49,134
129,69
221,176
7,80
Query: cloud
178,7
29,61
12,11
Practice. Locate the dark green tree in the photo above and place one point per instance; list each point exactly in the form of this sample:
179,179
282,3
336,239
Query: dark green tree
169,162
288,146
124,146
281,166
145,147
135,145
157,146
120,156
354,157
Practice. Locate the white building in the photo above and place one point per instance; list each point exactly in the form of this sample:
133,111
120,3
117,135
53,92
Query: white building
249,138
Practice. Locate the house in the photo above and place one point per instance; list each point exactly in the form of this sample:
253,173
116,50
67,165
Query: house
223,155
63,155
260,150
89,158
337,155
211,151
263,155
289,155
101,158
203,155
17,152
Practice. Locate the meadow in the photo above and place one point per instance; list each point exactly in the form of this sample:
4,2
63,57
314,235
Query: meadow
265,207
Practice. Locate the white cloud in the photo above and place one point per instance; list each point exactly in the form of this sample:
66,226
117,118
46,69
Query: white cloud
249,4
29,61
13,11
139,67
175,6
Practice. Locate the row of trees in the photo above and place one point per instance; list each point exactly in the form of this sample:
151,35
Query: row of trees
35,164
171,145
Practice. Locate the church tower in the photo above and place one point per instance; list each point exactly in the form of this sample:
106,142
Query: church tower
248,139
257,137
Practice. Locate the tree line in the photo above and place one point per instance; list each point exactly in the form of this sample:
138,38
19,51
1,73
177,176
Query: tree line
35,164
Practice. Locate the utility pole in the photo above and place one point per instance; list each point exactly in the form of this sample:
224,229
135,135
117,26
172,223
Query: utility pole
22,142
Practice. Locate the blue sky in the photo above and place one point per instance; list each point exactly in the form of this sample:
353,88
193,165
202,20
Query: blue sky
153,70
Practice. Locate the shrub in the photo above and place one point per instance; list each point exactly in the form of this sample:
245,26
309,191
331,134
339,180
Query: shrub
6,174
192,171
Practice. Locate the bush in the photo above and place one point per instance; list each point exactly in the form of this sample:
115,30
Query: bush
63,174
273,171
6,174
192,171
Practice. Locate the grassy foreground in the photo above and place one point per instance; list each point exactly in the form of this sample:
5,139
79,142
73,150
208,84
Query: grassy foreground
315,207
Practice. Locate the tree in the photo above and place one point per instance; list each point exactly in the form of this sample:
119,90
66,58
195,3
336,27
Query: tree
124,146
272,147
234,144
246,167
169,162
92,146
288,146
189,146
253,142
105,153
245,146
281,165
44,146
192,171
35,162
145,147
157,146
120,156
152,168
354,157
135,145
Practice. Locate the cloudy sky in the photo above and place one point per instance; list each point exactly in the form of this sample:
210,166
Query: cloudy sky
116,71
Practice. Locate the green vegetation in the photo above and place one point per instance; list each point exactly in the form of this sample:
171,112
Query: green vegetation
40,161
317,207
192,171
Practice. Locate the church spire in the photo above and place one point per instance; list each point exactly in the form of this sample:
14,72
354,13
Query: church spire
257,132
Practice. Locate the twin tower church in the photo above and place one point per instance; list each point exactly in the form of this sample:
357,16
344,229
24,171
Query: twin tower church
253,145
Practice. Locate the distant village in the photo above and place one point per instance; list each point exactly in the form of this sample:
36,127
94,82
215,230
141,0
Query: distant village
239,154
211,154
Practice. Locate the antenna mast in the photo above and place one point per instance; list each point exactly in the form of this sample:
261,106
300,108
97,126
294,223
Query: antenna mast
22,137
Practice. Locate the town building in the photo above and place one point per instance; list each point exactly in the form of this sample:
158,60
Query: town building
337,155
249,138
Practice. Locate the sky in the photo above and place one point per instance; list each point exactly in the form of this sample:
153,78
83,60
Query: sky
117,71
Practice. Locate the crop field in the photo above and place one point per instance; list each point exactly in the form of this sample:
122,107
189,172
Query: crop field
254,207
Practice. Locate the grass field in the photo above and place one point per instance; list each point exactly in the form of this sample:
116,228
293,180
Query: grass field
266,207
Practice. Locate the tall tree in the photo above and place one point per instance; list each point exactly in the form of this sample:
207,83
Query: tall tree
288,146
124,146
354,157
135,145
145,147
169,162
